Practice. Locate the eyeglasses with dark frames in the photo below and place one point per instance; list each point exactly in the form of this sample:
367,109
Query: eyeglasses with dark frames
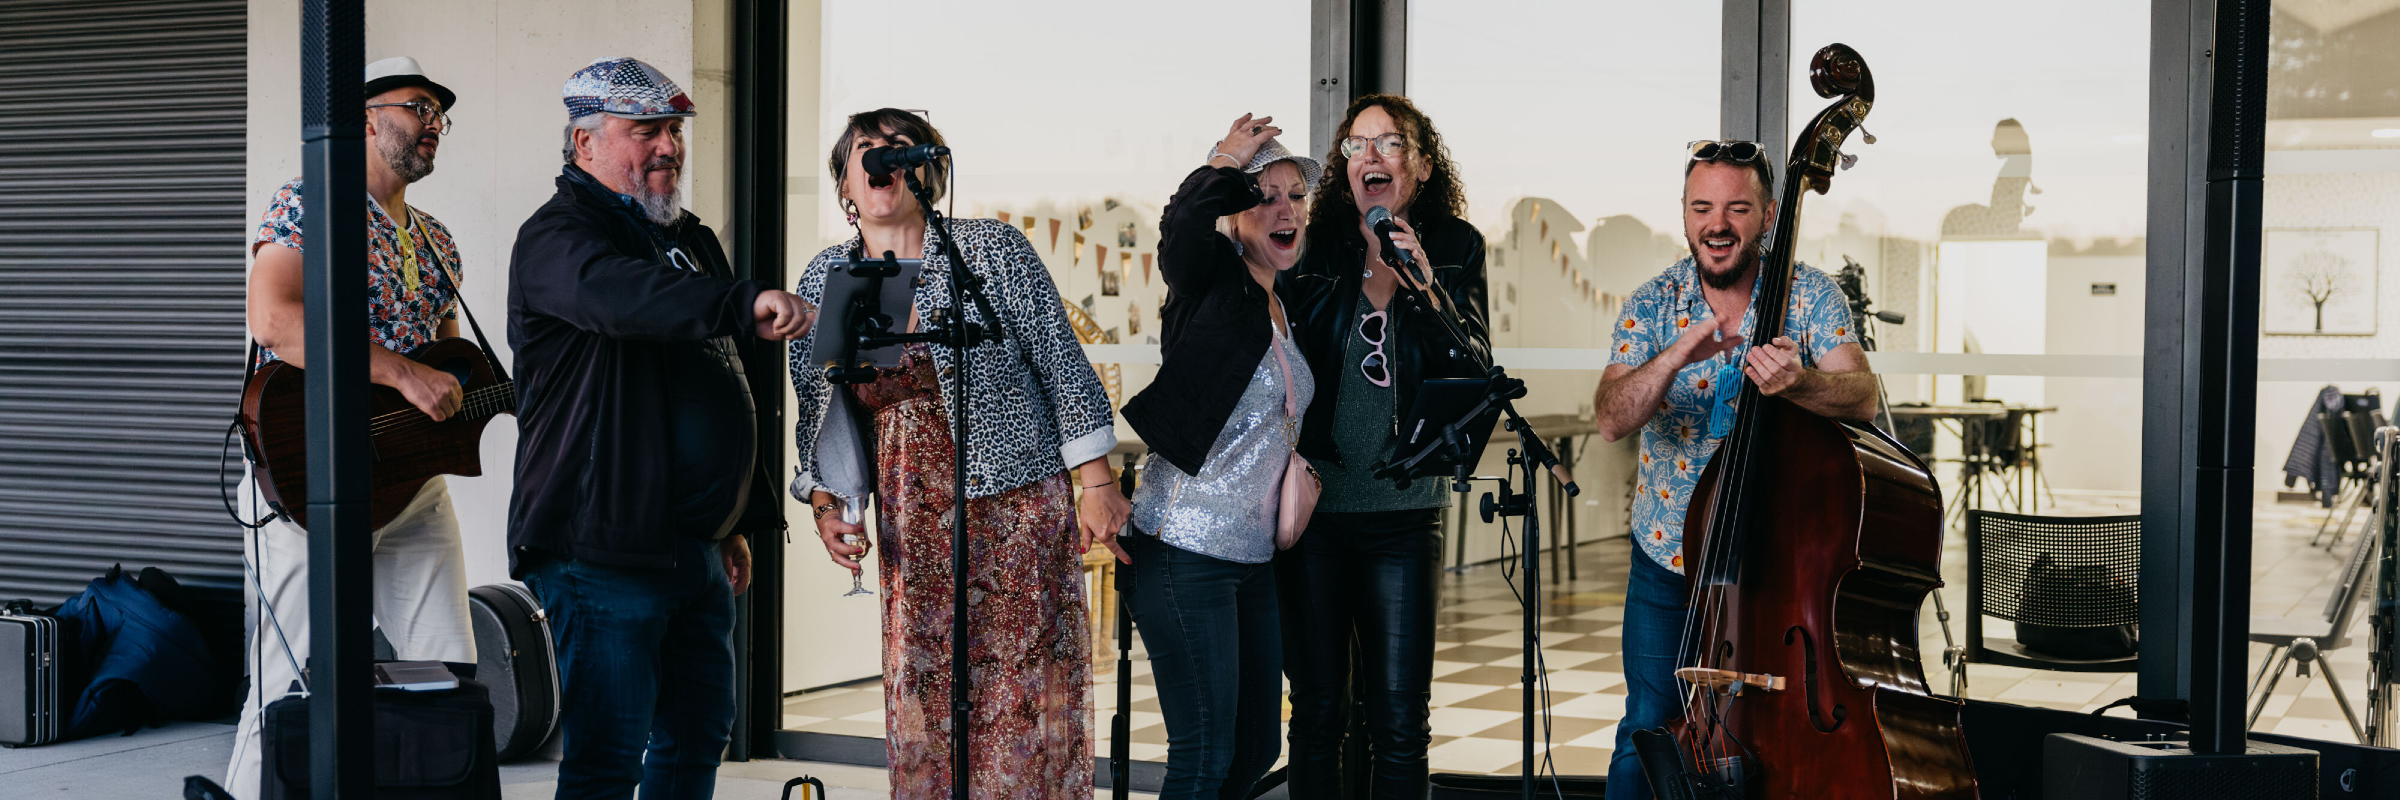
1391,145
430,115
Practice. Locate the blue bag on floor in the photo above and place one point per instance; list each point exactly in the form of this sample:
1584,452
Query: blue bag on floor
142,663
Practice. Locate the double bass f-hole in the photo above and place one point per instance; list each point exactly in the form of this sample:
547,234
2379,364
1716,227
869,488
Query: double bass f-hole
1816,694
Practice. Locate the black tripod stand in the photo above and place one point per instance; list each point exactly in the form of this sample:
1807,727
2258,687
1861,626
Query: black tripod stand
870,328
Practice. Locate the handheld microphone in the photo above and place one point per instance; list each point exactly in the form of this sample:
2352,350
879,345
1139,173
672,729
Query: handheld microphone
1380,219
883,161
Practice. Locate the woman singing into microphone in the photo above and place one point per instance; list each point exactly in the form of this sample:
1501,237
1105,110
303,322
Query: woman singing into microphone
1366,570
1037,410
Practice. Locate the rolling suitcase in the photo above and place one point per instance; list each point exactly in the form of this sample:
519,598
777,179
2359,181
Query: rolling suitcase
516,659
29,678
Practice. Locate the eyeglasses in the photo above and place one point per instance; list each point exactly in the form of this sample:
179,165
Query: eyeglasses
1376,366
1391,145
432,116
1733,150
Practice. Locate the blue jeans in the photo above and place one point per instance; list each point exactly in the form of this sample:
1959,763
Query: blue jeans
1654,614
645,663
1216,652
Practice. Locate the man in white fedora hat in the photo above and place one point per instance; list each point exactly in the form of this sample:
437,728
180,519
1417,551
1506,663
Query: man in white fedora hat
412,281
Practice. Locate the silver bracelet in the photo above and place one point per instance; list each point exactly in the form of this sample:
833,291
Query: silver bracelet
1213,153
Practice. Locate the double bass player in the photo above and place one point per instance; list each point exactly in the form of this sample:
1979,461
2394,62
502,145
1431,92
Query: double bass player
1679,354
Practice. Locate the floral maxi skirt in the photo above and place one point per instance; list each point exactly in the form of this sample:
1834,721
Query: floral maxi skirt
1029,652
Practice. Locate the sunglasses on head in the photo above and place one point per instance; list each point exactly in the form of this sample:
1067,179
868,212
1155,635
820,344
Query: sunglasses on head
1733,150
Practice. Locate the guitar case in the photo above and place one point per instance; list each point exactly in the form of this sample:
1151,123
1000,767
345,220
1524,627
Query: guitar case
516,658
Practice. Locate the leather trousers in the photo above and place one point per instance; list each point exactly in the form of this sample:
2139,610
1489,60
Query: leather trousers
1360,590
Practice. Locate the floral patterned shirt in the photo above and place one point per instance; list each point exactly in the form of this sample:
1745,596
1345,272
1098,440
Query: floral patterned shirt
398,318
1677,442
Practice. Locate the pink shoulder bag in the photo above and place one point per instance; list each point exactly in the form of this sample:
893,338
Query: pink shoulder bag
1300,483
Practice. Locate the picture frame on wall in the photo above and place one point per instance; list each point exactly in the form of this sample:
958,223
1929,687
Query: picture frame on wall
2318,281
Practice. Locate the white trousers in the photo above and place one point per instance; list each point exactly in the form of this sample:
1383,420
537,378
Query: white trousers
420,603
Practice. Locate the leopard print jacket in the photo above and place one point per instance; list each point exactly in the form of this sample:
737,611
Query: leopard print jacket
1034,407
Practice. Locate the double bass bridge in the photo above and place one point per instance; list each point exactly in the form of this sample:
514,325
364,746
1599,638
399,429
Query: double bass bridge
1729,680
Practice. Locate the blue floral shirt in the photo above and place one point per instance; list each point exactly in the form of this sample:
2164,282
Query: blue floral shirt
1677,442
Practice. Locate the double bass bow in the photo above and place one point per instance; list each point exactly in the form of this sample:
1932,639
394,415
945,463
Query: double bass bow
1810,545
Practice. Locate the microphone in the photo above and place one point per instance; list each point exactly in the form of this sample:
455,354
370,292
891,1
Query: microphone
883,161
1380,219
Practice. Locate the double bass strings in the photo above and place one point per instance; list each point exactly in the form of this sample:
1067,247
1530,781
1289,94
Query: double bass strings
1722,546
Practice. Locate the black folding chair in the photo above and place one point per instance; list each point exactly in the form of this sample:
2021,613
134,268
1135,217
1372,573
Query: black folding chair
2352,454
2001,552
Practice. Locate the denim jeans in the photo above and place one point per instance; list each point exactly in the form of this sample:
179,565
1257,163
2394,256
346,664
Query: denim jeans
645,670
1654,614
1216,652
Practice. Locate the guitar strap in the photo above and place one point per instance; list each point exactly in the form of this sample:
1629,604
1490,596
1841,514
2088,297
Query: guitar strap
458,294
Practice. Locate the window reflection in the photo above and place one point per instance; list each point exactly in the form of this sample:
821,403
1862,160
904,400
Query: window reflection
2001,209
2331,206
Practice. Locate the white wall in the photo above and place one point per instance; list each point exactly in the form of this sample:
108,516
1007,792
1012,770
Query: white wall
506,59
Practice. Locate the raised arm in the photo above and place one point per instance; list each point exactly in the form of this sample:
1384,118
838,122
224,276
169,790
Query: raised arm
1629,395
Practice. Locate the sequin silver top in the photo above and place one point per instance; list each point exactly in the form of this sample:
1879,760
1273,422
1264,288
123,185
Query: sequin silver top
1228,510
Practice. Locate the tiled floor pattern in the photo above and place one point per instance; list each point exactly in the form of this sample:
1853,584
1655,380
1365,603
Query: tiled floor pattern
1476,717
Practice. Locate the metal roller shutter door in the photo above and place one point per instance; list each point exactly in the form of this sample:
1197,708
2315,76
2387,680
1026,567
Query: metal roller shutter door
121,232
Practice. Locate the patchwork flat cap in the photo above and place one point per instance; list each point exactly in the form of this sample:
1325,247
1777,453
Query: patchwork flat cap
624,87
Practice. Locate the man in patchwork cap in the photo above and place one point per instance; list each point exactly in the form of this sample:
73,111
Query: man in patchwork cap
637,475
413,270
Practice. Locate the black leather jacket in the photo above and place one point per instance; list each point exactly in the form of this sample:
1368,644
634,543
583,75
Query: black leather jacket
1324,292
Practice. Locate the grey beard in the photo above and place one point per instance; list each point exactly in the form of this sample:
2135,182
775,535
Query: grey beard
660,209
400,153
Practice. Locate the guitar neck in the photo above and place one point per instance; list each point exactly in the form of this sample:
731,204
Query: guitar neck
498,398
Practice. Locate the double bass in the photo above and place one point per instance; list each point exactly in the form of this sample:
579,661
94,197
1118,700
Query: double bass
1810,545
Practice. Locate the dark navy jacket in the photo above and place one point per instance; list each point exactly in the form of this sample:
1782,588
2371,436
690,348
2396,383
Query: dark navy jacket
634,417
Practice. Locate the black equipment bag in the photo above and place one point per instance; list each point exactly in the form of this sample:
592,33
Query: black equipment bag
30,662
428,745
2048,583
517,660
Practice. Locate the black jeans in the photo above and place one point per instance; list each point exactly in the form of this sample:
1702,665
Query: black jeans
1371,580
1216,653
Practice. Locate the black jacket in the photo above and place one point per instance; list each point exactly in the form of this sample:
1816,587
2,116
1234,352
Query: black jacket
634,418
1214,328
1325,295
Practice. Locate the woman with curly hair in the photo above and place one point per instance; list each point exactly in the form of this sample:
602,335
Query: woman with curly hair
1363,579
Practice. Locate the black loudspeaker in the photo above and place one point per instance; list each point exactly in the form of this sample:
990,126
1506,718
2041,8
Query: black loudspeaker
2076,767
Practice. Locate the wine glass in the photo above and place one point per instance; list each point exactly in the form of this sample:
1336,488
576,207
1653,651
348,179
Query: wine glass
857,576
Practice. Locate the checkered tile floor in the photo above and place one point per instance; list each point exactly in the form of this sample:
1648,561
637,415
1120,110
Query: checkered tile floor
1476,719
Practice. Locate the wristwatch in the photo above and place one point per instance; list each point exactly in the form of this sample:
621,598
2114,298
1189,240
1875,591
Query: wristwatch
826,508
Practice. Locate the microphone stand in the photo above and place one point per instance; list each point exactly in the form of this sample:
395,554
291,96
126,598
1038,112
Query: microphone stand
950,329
1455,443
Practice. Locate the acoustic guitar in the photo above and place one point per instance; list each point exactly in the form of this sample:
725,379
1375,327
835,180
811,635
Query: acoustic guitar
405,447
